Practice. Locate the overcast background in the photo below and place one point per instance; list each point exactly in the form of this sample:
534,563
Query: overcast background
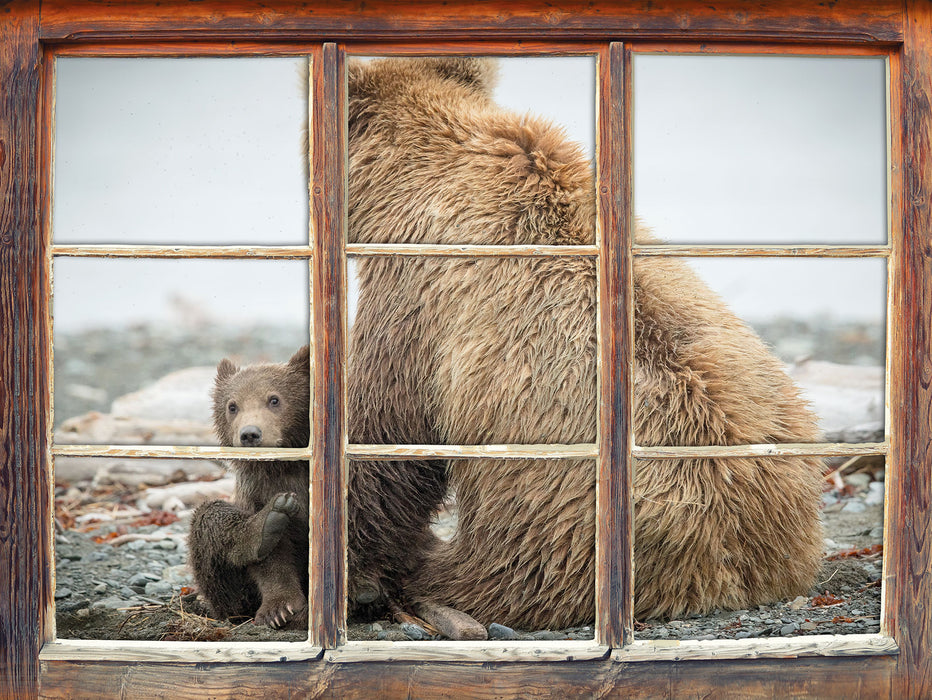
207,151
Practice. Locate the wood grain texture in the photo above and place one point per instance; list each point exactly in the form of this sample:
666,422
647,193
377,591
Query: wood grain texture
614,506
448,652
836,677
469,251
328,217
25,585
769,648
844,21
128,650
763,251
908,565
183,251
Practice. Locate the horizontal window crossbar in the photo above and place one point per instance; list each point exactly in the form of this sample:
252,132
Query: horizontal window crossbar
540,451
762,251
465,251
470,251
183,251
261,454
399,452
823,449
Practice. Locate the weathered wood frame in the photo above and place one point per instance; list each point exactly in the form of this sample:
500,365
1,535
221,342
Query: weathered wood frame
30,32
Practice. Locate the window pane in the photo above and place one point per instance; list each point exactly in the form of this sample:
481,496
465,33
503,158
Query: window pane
752,537
123,555
513,545
702,377
760,149
137,342
184,151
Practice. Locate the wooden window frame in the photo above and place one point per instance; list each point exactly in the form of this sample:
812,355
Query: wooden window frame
30,33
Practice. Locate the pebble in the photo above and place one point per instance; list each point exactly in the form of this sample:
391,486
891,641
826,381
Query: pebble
158,588
73,604
413,631
100,588
661,633
142,578
874,495
497,631
808,626
788,629
744,634
547,635
798,602
858,480
166,544
854,506
375,627
62,592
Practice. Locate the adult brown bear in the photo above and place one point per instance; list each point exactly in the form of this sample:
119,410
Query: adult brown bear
457,351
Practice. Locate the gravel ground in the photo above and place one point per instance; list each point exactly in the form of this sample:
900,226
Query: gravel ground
126,577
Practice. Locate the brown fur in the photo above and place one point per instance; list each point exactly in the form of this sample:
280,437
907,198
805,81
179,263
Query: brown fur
250,557
504,351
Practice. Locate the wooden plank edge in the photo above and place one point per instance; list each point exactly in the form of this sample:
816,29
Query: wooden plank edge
535,451
471,652
296,252
178,652
259,454
468,251
761,251
779,648
820,449
399,452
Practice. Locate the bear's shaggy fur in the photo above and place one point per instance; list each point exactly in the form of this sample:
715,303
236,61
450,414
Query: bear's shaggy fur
504,351
250,557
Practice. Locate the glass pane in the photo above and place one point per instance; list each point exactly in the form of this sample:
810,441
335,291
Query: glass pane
471,150
188,151
760,558
125,563
137,342
760,149
512,545
703,377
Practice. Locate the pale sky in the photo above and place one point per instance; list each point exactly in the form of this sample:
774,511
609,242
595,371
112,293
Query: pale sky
207,151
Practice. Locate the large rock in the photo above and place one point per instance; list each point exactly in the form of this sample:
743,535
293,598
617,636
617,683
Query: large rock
175,410
849,399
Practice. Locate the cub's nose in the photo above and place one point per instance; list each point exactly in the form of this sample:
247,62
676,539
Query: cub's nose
250,436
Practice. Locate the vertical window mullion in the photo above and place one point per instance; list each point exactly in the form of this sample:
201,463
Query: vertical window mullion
327,137
614,503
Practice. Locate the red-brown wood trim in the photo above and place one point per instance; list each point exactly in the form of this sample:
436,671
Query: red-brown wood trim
154,49
844,21
25,582
328,520
614,582
908,604
849,678
760,49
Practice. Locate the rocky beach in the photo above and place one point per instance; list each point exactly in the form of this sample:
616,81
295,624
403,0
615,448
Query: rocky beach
121,524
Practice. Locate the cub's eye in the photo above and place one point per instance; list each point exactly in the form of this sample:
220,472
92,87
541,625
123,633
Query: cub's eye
232,407
273,401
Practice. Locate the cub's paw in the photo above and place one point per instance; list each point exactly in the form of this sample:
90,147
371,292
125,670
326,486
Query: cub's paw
283,613
278,513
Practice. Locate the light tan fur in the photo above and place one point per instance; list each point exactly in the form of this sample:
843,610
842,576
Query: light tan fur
504,351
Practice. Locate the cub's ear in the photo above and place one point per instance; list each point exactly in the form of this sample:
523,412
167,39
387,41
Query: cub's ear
225,370
302,359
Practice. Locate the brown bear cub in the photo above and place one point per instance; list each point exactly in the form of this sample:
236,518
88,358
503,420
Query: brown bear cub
250,556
